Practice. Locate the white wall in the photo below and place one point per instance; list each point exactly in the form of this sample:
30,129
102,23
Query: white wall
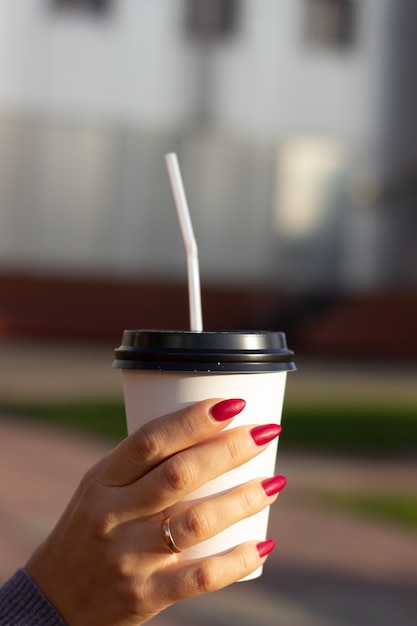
88,107
132,65
136,65
268,80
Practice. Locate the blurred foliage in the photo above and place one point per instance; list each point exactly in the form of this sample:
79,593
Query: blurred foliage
102,419
368,429
397,508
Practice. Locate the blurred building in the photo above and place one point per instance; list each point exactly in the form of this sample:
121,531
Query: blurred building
294,122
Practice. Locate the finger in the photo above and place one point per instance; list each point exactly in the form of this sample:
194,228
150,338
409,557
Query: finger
159,439
203,520
209,517
184,472
182,581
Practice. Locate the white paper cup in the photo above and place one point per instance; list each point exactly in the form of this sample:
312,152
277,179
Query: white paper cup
167,370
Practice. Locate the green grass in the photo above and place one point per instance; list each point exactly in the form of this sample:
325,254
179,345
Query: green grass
396,508
371,429
103,419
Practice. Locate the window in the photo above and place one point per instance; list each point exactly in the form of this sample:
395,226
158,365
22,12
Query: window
211,18
331,23
94,7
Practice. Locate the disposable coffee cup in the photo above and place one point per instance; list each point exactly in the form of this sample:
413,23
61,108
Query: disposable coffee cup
163,371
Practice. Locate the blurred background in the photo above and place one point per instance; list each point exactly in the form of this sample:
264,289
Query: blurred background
294,123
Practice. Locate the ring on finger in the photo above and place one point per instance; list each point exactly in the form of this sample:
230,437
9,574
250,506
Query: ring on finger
168,538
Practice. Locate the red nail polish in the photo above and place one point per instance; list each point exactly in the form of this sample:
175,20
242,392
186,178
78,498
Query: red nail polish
265,433
265,547
274,485
226,409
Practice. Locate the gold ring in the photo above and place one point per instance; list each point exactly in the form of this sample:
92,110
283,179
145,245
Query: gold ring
169,541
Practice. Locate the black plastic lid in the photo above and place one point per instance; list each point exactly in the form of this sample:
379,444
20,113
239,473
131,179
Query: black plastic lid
189,351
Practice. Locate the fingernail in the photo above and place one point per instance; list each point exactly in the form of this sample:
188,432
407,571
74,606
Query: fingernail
265,547
274,485
265,433
226,409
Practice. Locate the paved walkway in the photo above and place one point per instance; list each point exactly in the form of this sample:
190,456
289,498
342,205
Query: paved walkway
329,568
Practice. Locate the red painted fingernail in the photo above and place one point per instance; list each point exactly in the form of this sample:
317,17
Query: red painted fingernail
265,547
226,409
274,485
265,433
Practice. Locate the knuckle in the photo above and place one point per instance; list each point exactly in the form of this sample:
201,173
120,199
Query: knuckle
133,595
246,564
205,578
120,568
248,500
234,448
148,447
178,473
128,588
191,421
197,523
88,484
102,523
98,519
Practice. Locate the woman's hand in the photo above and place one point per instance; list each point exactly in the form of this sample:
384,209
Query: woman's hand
106,562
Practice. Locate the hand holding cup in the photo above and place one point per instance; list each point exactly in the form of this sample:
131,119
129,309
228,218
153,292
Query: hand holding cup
109,560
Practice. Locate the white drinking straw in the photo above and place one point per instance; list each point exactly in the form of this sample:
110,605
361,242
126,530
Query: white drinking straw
194,295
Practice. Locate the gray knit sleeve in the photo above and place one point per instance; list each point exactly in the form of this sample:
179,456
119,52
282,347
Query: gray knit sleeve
22,603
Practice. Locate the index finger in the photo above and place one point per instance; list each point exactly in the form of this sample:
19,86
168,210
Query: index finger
159,439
